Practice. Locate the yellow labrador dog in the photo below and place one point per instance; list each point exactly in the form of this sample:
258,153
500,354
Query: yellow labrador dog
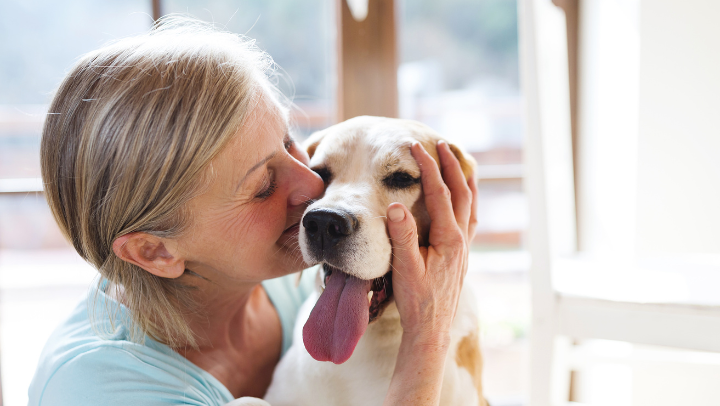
352,320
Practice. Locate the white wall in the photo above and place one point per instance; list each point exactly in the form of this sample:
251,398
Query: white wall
649,121
678,208
609,65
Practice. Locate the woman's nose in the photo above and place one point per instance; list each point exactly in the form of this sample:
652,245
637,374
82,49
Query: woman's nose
306,185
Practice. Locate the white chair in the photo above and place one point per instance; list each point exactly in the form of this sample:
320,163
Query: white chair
576,297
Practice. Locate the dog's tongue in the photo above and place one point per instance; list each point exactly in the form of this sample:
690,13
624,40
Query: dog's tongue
338,319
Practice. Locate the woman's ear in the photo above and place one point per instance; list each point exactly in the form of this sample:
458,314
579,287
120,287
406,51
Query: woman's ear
159,256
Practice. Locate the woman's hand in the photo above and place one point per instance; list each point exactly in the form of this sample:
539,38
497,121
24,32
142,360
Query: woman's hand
427,281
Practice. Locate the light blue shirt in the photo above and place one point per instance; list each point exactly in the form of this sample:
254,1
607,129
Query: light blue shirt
78,368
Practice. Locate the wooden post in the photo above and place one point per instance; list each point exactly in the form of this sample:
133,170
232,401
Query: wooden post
156,9
572,22
367,61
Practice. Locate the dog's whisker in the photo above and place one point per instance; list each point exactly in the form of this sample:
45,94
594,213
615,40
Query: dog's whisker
395,269
398,258
398,248
285,245
308,200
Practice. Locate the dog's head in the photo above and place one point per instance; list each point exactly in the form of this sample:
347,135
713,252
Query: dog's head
366,165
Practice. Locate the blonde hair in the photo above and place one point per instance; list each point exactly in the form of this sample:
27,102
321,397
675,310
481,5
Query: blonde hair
125,144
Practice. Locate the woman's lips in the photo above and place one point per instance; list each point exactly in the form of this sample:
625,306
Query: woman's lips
292,229
289,234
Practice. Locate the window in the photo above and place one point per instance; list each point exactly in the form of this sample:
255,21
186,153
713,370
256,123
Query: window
297,34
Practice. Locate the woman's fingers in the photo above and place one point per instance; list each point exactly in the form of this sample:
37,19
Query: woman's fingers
418,294
460,193
403,236
472,223
437,194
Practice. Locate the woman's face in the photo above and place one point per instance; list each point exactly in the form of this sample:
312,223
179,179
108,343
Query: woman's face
244,226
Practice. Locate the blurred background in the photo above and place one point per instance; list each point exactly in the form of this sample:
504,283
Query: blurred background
633,94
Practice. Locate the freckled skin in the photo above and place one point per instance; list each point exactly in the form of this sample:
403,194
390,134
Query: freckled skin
236,235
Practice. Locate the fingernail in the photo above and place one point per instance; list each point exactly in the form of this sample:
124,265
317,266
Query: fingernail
396,214
442,143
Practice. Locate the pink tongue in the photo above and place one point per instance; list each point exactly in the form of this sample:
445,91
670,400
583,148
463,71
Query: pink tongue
338,319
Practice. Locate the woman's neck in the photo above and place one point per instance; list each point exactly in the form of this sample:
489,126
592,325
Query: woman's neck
239,338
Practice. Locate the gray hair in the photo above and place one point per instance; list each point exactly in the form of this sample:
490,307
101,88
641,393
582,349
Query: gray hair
130,132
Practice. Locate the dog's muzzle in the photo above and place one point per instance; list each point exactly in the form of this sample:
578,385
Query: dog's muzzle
326,229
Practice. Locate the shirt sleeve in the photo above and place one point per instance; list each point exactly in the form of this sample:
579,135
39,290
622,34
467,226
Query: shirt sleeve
114,376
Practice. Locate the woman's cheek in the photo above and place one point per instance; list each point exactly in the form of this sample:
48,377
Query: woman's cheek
232,223
267,220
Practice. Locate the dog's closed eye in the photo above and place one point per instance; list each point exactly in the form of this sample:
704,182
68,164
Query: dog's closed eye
400,180
324,173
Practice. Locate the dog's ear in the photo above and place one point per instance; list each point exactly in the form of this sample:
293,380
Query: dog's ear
311,148
313,141
429,141
467,162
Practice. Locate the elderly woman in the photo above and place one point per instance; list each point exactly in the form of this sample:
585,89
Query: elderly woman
169,165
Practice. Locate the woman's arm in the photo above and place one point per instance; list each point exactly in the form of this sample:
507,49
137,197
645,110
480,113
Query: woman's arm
427,281
418,375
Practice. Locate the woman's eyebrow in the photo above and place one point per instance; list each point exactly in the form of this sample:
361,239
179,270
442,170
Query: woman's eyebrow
251,170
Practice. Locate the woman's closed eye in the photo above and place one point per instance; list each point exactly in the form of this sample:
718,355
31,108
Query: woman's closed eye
268,188
269,184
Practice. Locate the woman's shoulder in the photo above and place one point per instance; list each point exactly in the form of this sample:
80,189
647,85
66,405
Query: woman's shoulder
82,365
112,375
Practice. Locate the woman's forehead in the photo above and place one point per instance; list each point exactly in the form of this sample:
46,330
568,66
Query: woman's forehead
261,135
267,123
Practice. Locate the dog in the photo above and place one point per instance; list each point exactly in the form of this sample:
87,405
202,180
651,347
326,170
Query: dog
366,164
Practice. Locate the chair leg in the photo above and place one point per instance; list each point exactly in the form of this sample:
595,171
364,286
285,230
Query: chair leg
560,390
549,371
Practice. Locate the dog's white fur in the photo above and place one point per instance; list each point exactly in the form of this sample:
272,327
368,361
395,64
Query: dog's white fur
360,153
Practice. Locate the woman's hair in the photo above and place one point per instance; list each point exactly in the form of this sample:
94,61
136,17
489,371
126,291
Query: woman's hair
125,145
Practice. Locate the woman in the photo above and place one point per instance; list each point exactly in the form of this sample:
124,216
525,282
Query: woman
168,164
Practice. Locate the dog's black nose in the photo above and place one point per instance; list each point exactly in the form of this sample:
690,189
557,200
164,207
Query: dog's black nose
325,228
